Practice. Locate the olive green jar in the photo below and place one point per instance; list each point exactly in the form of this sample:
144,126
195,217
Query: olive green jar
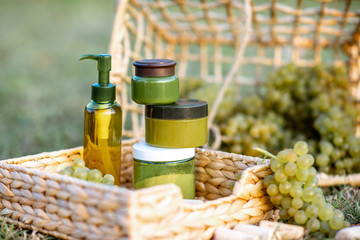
155,82
155,166
182,124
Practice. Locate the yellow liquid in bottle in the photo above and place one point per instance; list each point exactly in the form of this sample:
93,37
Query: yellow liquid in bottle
102,138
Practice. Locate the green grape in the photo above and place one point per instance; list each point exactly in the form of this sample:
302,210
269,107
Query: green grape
336,223
326,212
322,160
310,160
308,194
346,224
297,203
338,141
354,150
339,214
302,162
107,181
295,182
275,165
286,202
81,173
326,147
324,227
283,214
290,169
276,199
300,217
312,183
339,165
302,174
110,178
272,189
284,187
337,154
269,179
348,164
301,148
291,156
318,201
282,156
292,211
305,161
94,175
78,163
319,192
312,174
312,211
280,176
313,225
296,192
68,171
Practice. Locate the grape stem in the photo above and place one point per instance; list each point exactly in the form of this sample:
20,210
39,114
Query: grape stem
266,153
264,158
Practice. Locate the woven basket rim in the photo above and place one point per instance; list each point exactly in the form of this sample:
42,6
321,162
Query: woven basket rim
62,178
128,201
15,167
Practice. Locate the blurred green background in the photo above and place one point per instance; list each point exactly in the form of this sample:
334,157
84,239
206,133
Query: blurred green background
44,88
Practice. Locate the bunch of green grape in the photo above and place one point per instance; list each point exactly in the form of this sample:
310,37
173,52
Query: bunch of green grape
78,170
294,189
243,132
318,105
313,104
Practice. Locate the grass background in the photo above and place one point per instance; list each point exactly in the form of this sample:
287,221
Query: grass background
44,88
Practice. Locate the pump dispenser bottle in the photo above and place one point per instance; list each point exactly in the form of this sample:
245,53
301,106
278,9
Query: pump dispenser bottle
103,123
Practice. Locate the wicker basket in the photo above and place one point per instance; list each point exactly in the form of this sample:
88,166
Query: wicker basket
208,40
34,196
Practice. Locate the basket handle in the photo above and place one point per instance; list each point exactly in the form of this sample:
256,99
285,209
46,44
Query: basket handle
245,34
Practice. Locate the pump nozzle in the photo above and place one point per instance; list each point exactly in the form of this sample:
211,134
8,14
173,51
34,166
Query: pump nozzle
104,66
103,91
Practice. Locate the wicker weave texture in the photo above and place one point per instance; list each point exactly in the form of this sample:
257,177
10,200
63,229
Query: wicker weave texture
33,196
204,38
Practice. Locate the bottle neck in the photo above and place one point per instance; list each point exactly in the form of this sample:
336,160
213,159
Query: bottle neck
96,105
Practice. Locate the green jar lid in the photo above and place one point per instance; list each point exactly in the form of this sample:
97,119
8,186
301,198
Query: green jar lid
181,109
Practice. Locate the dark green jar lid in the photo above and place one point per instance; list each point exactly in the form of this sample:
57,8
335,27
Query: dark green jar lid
154,68
181,109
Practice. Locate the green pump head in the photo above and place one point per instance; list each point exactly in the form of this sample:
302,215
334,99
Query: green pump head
103,91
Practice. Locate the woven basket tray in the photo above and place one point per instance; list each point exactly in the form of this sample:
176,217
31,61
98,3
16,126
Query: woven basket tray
33,196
